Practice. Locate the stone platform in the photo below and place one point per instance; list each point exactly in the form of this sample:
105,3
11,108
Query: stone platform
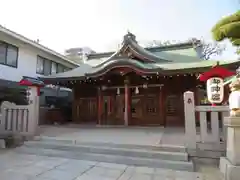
15,166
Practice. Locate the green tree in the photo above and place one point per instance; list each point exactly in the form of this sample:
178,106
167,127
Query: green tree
228,28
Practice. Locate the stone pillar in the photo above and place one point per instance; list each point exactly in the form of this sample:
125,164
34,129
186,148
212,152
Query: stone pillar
230,165
190,120
33,109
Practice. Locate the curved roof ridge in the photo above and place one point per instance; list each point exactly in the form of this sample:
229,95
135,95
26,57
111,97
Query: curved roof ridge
112,56
188,44
129,41
123,62
147,53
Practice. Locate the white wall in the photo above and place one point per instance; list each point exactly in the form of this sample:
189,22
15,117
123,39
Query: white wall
27,60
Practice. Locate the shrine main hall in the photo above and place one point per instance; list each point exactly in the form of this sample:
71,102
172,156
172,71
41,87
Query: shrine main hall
136,86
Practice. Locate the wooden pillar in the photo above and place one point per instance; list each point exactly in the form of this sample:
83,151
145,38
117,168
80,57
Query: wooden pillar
109,104
162,106
100,103
196,96
127,97
75,105
129,106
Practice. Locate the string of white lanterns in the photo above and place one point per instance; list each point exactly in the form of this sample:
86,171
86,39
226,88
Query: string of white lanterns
89,80
148,78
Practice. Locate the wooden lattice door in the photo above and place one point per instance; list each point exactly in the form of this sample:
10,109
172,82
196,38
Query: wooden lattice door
136,110
119,109
174,110
87,110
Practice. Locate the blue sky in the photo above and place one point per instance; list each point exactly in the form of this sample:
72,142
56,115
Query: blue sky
100,24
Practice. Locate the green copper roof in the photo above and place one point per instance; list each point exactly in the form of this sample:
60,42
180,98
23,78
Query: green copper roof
187,52
181,52
133,56
86,70
137,65
182,55
177,57
186,48
198,64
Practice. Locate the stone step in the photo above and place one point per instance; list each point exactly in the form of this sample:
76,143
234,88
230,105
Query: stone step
157,147
132,161
130,152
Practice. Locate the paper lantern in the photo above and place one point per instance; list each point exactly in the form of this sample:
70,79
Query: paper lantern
215,90
118,91
136,90
215,87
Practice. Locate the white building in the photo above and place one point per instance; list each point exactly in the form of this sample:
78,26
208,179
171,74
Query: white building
20,56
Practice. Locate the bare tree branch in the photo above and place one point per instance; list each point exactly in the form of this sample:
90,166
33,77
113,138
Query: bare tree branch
211,49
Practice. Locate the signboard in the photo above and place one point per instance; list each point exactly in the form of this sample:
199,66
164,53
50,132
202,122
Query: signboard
215,90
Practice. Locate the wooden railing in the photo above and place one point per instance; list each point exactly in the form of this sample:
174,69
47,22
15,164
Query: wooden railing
14,119
203,124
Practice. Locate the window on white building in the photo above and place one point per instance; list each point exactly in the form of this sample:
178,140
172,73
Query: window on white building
8,54
60,68
40,65
2,52
54,68
47,67
66,69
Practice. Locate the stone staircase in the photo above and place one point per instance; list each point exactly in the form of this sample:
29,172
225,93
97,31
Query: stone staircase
167,157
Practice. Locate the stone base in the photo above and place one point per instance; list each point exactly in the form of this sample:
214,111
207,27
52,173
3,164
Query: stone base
229,171
232,121
233,137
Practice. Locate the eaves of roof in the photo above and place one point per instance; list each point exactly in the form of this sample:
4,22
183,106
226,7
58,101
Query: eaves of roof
86,70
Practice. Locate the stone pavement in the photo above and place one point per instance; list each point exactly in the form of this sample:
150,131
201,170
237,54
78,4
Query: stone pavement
15,166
